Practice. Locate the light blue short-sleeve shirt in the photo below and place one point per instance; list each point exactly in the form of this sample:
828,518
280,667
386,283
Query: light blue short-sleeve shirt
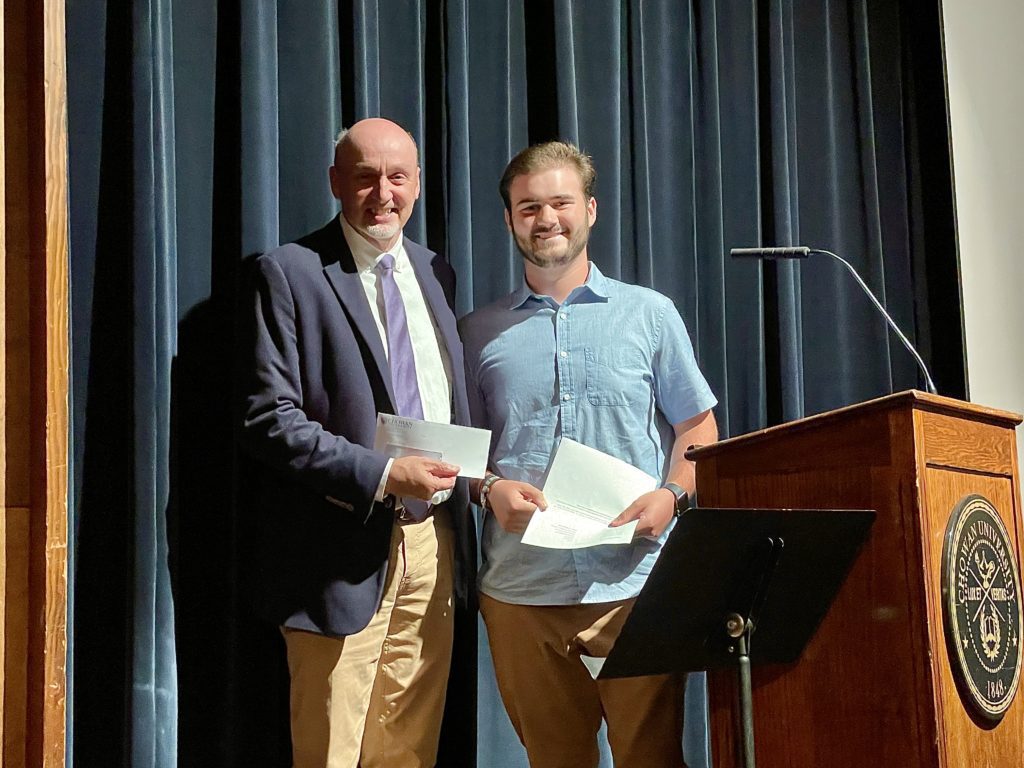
613,368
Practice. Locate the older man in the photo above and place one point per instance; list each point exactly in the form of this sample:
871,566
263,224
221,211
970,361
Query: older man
572,353
356,549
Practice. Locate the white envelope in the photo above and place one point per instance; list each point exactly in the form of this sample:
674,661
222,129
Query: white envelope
466,447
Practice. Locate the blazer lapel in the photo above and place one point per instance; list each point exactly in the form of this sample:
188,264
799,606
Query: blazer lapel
349,288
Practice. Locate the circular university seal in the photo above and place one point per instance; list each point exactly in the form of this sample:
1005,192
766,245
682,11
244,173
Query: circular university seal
981,606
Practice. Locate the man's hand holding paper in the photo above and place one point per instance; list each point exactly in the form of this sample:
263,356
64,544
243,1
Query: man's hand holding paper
652,512
586,490
464,448
420,477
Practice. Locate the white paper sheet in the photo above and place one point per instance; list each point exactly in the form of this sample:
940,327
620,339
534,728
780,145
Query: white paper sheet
586,489
465,447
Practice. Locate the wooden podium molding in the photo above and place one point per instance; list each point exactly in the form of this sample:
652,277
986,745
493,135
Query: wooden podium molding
875,686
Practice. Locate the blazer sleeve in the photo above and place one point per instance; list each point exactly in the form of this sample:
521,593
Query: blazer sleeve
275,429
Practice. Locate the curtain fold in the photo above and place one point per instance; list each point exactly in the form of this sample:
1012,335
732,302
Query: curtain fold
486,127
309,74
779,121
200,135
260,119
154,699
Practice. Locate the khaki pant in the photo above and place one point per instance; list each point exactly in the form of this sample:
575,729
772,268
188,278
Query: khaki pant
556,706
375,699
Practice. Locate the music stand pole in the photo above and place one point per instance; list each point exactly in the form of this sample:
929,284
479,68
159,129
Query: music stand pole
740,630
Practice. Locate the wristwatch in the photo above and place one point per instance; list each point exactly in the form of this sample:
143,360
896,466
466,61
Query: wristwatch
682,497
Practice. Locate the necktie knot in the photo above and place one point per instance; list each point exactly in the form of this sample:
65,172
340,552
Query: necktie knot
386,263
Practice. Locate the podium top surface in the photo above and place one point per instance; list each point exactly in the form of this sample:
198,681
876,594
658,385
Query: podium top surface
912,399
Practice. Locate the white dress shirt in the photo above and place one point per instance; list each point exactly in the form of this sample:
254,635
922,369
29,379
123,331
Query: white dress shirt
433,363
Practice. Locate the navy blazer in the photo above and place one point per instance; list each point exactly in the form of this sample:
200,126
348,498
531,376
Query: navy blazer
315,381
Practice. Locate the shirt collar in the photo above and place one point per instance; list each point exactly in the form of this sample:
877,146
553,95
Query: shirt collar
365,254
595,288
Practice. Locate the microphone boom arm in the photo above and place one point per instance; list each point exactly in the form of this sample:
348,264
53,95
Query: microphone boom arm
892,324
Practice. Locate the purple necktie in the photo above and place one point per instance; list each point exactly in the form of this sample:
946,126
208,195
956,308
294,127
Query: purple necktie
400,356
401,360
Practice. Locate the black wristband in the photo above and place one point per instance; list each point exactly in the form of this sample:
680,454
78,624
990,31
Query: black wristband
682,497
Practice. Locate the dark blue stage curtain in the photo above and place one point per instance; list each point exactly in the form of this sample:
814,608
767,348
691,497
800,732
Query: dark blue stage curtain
201,133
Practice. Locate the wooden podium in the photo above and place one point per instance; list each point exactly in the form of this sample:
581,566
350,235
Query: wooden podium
875,686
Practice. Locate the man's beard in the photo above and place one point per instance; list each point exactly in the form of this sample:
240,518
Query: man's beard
573,249
382,231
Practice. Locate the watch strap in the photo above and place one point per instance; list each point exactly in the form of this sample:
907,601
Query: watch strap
682,497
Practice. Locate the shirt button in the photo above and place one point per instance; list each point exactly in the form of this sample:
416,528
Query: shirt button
564,316
566,397
563,353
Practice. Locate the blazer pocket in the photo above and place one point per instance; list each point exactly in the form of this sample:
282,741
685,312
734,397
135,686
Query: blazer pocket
339,503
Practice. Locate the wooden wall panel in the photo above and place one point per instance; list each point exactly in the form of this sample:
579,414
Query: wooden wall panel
4,683
14,548
3,311
51,337
16,389
33,384
17,210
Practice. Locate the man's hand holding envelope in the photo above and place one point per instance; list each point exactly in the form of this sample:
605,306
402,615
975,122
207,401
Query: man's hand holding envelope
428,456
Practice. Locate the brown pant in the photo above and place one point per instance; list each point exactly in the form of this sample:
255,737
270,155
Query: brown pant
556,706
375,699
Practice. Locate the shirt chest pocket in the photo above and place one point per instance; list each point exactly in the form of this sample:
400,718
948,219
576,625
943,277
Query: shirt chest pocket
615,376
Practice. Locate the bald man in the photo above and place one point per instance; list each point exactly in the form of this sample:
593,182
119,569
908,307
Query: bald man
359,553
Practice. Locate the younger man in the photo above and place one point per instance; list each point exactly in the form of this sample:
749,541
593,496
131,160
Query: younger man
575,354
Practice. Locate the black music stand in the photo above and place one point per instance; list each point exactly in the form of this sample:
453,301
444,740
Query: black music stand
726,573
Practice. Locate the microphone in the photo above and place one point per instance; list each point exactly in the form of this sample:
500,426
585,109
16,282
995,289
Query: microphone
796,252
802,252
